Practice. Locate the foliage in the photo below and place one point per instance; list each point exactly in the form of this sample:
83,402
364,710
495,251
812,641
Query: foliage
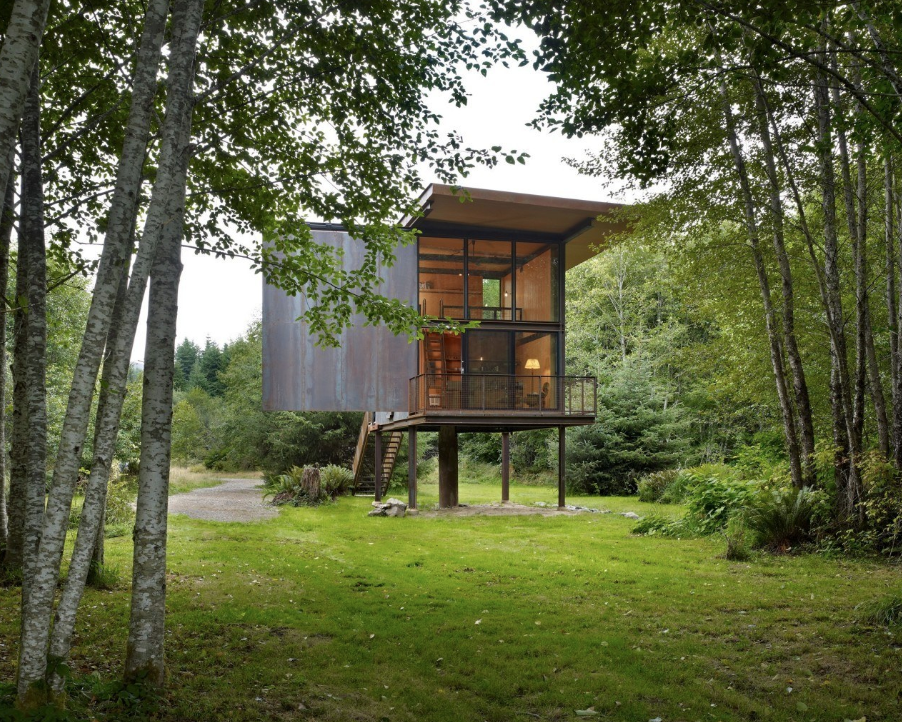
782,518
736,535
884,612
120,514
656,524
713,500
336,480
482,448
303,486
651,487
231,431
636,433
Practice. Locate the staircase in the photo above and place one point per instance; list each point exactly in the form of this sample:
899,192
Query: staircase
365,458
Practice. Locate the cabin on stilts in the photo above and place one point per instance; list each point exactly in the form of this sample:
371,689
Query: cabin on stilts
494,257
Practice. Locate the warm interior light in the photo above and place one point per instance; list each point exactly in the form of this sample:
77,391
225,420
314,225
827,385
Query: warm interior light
532,364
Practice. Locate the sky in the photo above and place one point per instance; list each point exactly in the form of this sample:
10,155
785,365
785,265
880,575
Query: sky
219,299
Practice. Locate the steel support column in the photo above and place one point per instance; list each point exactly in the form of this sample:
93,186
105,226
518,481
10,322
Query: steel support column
378,466
561,464
505,465
411,468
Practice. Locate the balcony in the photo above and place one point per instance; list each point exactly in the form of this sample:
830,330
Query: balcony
499,395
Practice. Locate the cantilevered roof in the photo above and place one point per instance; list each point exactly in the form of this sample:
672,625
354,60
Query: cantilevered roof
580,224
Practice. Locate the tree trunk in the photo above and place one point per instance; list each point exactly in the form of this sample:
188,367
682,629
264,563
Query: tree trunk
773,335
34,329
31,242
7,217
146,638
832,283
164,213
867,369
145,657
18,55
800,385
36,622
891,299
102,428
19,433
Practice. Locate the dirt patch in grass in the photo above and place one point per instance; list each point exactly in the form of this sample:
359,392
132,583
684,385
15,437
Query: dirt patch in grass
502,509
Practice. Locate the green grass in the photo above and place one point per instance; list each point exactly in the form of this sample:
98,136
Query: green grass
327,614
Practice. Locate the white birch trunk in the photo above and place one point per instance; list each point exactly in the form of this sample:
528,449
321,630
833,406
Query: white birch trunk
37,617
34,345
170,180
18,56
100,430
145,658
6,227
31,243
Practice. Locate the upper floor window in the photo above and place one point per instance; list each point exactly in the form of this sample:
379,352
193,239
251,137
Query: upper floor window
489,280
538,281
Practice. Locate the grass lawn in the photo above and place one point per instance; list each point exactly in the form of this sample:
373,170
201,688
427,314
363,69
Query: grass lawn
327,614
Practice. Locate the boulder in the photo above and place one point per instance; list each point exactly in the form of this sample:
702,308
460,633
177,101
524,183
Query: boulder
391,507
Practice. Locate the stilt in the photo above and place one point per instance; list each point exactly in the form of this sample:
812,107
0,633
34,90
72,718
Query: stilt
505,466
561,464
411,468
447,467
378,466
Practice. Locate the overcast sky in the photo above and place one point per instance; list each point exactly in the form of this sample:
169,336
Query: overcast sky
220,298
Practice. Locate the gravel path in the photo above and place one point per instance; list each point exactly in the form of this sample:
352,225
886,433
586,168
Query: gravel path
233,500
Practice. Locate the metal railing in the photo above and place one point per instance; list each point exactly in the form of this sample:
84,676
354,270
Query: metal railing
489,393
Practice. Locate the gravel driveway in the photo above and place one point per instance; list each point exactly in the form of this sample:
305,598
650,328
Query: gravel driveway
233,500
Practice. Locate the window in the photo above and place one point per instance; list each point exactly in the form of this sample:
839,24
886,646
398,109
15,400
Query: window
488,352
538,282
490,265
441,274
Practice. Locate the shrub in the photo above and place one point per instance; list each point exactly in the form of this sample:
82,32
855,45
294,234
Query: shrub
655,524
298,487
736,535
336,480
652,486
119,511
782,518
882,504
713,501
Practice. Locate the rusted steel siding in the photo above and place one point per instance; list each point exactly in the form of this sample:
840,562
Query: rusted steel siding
368,372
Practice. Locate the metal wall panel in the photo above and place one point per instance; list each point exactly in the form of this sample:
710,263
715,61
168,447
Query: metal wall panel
370,369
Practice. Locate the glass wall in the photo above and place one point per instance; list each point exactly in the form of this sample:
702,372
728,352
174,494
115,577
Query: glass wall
536,363
488,352
490,265
538,282
441,270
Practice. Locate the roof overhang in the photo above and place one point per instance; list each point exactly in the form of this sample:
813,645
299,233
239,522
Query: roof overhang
584,226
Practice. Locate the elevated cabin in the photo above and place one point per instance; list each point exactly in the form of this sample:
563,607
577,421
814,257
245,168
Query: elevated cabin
489,256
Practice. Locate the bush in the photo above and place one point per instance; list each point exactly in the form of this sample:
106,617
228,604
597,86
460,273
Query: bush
120,515
882,504
336,480
714,500
652,486
634,435
657,525
782,518
736,535
298,487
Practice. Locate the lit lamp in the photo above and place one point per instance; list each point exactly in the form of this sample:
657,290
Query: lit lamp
532,364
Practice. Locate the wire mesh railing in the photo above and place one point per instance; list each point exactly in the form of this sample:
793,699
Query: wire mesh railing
484,393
